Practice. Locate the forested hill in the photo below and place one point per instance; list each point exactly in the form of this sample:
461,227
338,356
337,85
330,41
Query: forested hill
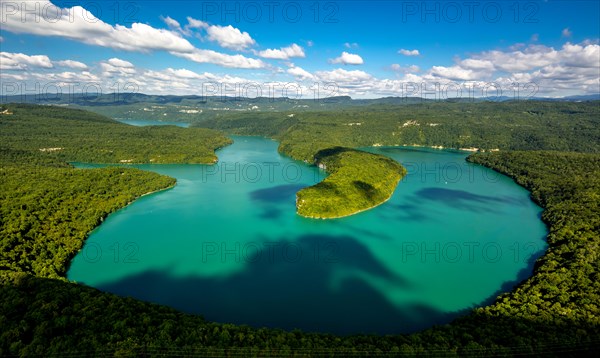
62,134
515,125
197,108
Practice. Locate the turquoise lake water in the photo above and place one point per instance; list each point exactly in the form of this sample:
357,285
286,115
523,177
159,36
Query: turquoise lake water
226,243
145,122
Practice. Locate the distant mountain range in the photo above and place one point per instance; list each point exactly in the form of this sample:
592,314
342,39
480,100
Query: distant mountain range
112,99
189,109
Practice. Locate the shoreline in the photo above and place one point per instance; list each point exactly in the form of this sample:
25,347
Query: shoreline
356,212
437,147
148,193
64,274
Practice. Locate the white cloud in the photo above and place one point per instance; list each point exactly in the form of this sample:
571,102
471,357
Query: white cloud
72,64
474,64
408,69
574,68
283,53
341,75
76,23
454,73
72,77
409,52
513,61
226,36
566,32
117,62
171,23
116,66
348,59
309,43
174,25
20,61
196,24
536,56
183,73
230,37
209,56
580,56
350,45
1,39
300,73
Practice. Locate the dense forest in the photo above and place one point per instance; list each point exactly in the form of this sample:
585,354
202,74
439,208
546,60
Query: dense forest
80,136
208,105
47,209
518,125
358,181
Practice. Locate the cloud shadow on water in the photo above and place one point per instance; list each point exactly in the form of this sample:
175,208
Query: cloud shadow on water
270,200
296,292
467,201
408,212
276,194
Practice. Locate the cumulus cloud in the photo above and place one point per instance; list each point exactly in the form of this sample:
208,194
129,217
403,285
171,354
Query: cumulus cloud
78,24
70,77
536,56
454,73
20,61
343,76
409,52
574,68
117,62
226,36
408,69
171,23
283,53
116,66
347,59
230,37
209,56
477,65
300,73
174,25
196,24
580,55
72,64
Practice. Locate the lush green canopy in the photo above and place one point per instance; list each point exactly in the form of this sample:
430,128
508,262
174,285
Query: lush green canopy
47,209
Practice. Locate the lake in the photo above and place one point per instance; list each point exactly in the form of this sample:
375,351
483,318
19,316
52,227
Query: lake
226,243
145,122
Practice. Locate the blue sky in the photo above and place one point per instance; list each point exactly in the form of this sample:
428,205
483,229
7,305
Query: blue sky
364,49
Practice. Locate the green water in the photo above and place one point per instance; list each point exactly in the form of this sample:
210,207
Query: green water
147,122
226,243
